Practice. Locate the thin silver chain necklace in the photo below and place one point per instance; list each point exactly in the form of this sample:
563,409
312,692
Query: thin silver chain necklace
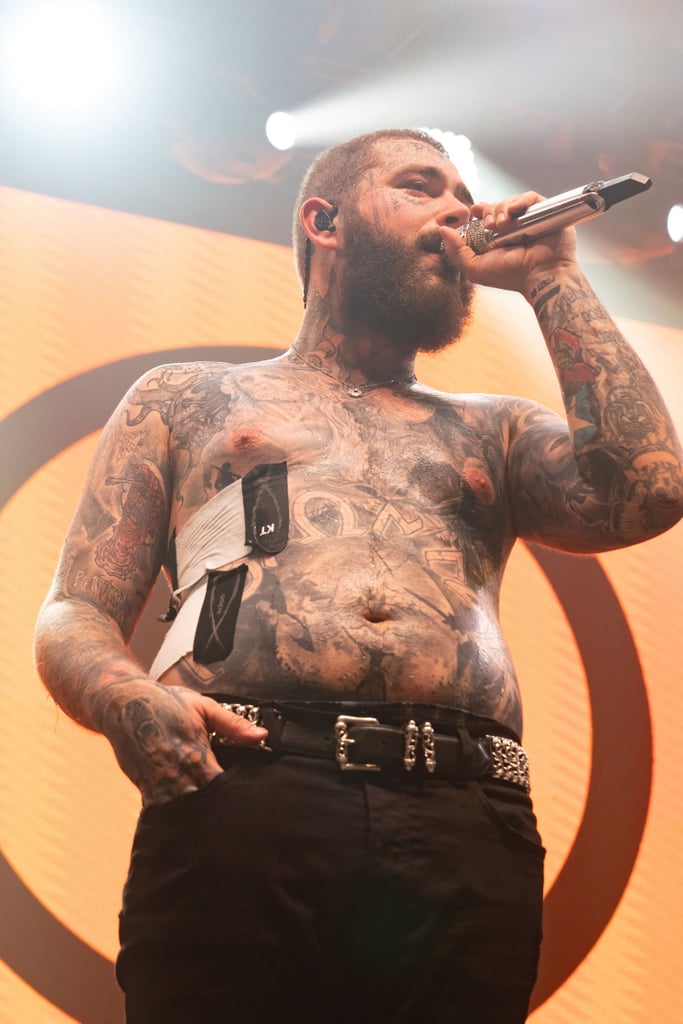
354,390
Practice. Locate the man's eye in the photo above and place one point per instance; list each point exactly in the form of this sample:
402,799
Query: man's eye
416,186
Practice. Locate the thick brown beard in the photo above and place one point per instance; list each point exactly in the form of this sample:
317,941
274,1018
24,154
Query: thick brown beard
387,289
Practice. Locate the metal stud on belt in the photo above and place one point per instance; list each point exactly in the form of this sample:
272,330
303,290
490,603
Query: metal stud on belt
429,747
411,734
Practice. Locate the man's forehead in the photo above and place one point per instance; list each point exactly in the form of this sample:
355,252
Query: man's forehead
390,154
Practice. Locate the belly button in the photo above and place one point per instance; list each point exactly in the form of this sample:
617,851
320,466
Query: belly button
376,616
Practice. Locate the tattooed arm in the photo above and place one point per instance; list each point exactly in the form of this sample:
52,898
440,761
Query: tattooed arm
110,560
616,478
611,474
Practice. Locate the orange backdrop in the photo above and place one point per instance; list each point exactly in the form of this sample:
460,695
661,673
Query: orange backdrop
88,298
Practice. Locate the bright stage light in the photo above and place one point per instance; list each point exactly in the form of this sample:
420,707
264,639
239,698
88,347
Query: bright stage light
62,55
674,223
397,99
280,130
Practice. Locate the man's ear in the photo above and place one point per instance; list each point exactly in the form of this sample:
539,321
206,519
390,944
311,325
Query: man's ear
317,219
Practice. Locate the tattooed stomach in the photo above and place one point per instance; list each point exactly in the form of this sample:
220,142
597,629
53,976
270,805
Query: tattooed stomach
340,621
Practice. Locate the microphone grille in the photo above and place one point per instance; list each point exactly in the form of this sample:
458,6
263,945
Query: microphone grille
477,236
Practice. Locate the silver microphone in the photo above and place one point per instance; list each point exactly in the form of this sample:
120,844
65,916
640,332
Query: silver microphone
560,211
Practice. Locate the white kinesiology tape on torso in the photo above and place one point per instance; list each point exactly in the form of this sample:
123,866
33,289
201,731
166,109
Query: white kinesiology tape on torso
213,538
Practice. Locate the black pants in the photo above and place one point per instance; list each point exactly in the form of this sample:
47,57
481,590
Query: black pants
295,892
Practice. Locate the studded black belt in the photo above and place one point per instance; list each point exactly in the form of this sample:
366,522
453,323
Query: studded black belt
367,737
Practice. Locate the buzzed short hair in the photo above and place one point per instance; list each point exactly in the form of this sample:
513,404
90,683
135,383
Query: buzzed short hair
335,173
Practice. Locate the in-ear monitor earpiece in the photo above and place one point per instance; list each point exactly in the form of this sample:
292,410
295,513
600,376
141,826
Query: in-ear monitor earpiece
323,219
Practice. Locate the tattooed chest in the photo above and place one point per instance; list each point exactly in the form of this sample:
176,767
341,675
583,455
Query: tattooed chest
453,475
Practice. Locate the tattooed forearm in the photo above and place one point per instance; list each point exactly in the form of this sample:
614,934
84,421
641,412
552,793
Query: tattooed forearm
545,297
160,744
88,660
625,443
540,286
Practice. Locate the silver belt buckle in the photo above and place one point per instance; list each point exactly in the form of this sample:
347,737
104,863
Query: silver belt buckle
341,733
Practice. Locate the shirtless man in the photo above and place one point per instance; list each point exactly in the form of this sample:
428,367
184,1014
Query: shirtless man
267,878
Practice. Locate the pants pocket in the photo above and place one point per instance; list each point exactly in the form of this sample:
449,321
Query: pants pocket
509,809
169,810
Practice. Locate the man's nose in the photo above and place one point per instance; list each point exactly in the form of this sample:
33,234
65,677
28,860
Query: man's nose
454,212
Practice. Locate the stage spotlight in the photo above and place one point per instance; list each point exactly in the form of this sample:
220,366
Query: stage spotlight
280,130
62,55
674,223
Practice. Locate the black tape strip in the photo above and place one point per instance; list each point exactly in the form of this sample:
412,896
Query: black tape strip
172,561
215,633
266,507
172,566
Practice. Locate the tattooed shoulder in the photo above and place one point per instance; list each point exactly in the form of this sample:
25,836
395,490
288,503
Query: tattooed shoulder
164,389
490,412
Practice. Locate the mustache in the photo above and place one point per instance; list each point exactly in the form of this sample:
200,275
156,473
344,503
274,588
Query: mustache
431,241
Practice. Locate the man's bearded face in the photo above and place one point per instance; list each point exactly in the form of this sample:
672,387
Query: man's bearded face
392,287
